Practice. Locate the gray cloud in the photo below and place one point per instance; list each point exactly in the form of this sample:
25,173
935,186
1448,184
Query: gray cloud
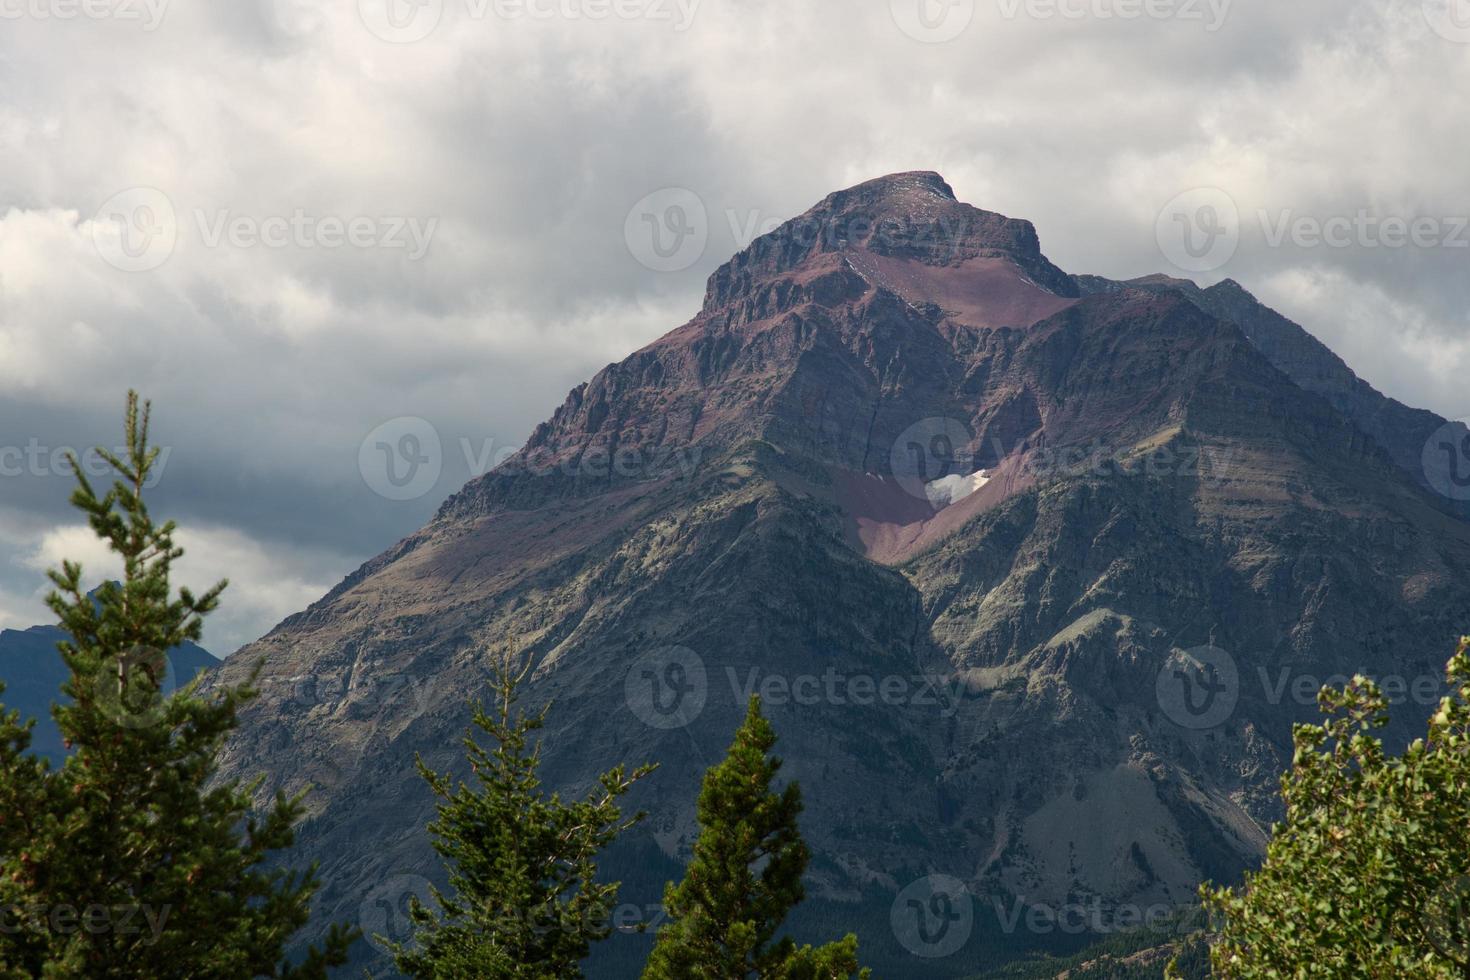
526,141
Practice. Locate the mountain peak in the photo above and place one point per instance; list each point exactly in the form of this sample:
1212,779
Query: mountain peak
897,189
911,217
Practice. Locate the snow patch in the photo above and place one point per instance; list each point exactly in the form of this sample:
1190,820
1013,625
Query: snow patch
952,489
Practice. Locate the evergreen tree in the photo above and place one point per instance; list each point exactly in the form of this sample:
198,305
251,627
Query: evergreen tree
1369,874
23,780
522,865
745,876
125,862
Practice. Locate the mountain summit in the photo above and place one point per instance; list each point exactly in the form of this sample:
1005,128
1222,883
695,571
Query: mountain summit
1032,570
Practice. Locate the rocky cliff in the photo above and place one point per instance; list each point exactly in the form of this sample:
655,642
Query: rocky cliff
1034,572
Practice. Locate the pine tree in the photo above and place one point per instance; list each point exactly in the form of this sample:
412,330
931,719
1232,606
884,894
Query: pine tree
745,876
23,779
126,861
522,865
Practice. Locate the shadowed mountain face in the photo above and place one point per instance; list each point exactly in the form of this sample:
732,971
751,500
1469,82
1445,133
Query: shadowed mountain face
1034,573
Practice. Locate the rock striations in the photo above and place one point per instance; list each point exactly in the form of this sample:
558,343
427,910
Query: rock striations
1066,681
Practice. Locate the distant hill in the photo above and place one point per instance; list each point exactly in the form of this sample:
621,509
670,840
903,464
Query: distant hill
32,670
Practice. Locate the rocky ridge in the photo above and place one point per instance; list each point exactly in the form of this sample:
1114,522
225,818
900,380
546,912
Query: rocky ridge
994,702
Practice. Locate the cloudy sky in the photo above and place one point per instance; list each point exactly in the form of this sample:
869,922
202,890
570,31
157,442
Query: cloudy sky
289,222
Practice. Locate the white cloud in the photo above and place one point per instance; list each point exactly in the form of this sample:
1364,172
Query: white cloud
1392,343
528,140
266,585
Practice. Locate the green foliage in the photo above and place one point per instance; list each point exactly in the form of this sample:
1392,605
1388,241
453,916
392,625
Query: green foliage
745,876
522,865
125,862
23,779
1367,875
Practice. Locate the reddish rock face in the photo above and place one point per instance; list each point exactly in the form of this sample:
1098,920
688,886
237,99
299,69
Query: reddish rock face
1166,469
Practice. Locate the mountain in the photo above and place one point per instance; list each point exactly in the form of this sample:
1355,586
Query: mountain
1034,571
33,672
